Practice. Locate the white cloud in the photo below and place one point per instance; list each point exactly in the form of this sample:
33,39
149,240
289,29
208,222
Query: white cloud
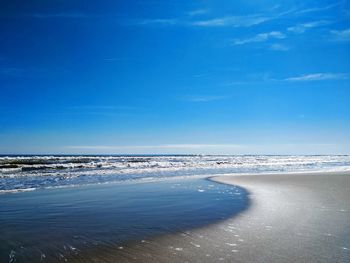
199,75
112,59
318,9
319,76
234,21
162,146
234,83
11,71
287,148
21,72
279,47
164,22
204,98
341,35
260,38
301,28
198,12
62,15
224,21
102,107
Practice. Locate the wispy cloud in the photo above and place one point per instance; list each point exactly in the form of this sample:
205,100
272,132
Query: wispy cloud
162,22
319,76
62,15
235,83
287,148
301,28
21,72
259,38
318,8
162,146
227,21
112,59
233,21
102,107
341,35
200,75
191,20
11,71
279,47
223,21
100,110
198,12
204,98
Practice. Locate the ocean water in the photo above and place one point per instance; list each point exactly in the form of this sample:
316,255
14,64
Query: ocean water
25,173
59,225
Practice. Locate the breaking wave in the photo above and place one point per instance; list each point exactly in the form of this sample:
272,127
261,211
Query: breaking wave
18,173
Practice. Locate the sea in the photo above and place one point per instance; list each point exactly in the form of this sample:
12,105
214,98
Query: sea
27,173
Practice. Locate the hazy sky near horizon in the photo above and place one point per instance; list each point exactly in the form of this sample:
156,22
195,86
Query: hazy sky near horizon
231,77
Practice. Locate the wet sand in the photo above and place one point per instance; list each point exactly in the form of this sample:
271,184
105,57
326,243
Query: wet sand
291,218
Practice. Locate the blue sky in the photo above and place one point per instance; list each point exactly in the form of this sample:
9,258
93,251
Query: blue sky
231,77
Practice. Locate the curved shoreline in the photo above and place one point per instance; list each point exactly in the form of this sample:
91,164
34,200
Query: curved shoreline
75,223
300,217
292,218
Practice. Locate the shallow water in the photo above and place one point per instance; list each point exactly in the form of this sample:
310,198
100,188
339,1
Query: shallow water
58,224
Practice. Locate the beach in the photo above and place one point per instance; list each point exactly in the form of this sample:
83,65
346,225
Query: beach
175,209
291,218
175,131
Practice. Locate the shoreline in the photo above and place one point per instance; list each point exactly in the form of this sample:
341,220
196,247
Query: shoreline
68,223
174,178
300,217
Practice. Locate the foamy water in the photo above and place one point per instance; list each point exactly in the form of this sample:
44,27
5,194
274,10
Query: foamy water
21,173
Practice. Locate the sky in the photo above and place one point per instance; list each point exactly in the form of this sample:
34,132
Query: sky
202,77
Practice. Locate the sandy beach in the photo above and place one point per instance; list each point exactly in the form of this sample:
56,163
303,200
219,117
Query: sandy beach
291,218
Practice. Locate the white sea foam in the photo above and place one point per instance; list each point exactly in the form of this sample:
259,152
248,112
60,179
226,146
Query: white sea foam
17,190
30,172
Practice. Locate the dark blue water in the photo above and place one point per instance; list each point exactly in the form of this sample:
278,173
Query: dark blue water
52,224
